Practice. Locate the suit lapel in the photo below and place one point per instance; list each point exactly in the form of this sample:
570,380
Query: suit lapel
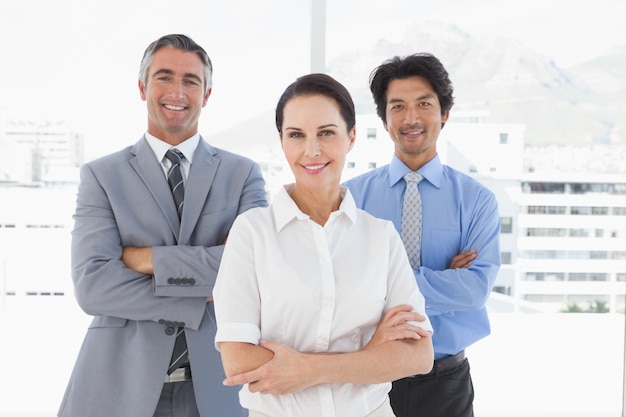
151,173
201,176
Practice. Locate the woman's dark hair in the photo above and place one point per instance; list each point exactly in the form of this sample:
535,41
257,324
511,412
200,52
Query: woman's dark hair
318,84
423,65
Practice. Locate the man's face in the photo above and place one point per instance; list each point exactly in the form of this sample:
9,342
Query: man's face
413,120
174,94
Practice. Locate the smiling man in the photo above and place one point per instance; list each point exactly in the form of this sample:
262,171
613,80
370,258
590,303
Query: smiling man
147,243
454,249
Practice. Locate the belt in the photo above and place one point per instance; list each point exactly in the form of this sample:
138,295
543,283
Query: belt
179,375
445,364
449,362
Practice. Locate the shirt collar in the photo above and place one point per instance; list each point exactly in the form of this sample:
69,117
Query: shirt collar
187,147
285,209
432,171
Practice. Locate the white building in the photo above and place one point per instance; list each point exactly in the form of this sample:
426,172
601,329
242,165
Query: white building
39,163
572,245
38,151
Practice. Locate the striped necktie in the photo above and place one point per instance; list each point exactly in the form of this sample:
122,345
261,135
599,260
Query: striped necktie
175,180
412,218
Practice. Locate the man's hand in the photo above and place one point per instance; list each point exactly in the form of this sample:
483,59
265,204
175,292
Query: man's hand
463,259
138,259
285,373
394,326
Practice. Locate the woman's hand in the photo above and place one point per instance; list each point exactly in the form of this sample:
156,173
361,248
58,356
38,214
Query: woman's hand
288,371
394,326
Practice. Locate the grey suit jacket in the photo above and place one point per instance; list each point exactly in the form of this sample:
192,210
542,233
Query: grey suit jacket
124,200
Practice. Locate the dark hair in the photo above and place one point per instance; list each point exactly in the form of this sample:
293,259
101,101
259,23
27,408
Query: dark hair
423,65
314,84
182,42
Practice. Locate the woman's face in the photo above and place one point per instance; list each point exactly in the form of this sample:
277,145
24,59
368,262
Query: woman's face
315,140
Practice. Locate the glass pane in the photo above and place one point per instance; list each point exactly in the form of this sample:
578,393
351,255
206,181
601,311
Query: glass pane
69,95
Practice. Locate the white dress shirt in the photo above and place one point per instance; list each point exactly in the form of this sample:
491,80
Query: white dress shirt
287,279
187,148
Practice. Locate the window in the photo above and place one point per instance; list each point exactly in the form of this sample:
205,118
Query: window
503,363
546,210
579,188
546,232
580,210
544,276
579,233
577,276
544,188
506,225
505,258
598,276
619,211
501,289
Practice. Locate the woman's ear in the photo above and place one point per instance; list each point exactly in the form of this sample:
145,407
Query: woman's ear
352,138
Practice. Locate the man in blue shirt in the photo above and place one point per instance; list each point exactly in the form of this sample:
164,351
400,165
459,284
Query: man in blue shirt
460,253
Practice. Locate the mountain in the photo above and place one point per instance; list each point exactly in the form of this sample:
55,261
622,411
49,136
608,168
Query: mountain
582,105
577,107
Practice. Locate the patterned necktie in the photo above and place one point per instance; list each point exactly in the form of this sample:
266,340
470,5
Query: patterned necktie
175,180
412,218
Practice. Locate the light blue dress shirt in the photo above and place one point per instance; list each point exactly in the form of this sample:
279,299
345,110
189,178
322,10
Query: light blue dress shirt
458,214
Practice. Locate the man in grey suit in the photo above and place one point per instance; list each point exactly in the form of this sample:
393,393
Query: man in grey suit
143,272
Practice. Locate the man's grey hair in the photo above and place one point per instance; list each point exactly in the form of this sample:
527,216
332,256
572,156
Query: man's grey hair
176,41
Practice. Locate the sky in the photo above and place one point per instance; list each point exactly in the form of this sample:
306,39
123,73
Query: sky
76,61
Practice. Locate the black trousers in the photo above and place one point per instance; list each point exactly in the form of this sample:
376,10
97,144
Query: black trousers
441,393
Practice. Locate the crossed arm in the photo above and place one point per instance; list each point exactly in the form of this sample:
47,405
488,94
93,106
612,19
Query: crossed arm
463,259
396,350
140,260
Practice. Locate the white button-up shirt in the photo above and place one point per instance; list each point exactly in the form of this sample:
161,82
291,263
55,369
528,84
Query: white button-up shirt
187,148
287,279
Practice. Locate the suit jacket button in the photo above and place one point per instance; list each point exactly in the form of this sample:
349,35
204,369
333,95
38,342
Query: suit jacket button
170,280
169,330
184,281
192,281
